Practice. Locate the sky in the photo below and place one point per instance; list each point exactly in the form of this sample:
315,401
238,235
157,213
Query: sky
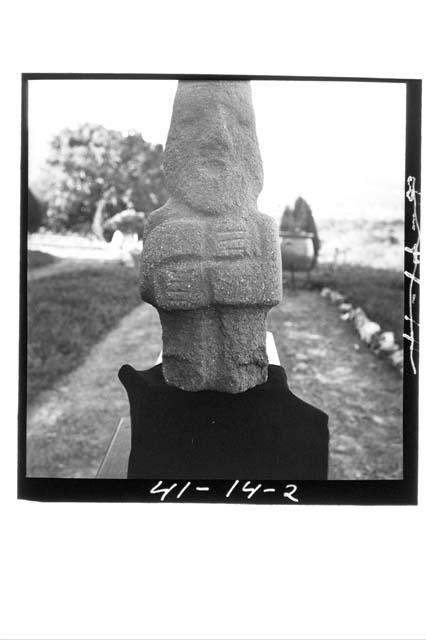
340,145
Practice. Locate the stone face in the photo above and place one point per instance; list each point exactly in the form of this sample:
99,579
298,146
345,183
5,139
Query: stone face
211,263
212,161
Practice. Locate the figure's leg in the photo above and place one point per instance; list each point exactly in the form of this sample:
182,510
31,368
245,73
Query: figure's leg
192,350
245,361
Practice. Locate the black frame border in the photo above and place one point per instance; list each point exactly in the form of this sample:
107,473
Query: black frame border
350,492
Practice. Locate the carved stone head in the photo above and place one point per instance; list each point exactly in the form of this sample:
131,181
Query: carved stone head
212,161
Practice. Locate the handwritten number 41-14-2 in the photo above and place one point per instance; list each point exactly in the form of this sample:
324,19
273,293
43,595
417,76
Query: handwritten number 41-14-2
248,489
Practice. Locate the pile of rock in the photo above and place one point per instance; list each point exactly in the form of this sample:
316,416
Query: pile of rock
380,342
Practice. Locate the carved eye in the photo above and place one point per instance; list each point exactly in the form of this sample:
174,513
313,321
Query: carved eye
216,145
243,122
187,120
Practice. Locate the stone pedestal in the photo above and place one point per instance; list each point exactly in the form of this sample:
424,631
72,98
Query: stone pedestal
264,433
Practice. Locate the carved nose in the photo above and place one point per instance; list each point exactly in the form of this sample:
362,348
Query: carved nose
218,144
223,133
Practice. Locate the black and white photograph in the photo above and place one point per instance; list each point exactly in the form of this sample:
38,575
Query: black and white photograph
211,315
215,280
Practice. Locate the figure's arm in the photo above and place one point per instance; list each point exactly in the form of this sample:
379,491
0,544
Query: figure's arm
270,260
172,275
253,279
148,262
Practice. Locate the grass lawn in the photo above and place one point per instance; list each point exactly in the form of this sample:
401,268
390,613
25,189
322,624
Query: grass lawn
70,312
380,292
37,259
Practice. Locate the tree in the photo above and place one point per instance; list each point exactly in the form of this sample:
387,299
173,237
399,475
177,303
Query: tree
300,219
286,220
95,172
305,220
35,213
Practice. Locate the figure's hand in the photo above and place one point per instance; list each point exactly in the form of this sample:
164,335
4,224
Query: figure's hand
171,273
181,286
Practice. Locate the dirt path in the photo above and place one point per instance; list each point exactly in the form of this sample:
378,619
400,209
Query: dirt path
70,427
330,368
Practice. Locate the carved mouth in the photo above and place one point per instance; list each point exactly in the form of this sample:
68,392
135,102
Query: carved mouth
214,162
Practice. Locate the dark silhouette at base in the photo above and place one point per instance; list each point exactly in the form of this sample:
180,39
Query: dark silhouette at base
264,433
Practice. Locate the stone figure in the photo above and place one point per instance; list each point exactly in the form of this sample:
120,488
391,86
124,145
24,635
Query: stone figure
211,262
